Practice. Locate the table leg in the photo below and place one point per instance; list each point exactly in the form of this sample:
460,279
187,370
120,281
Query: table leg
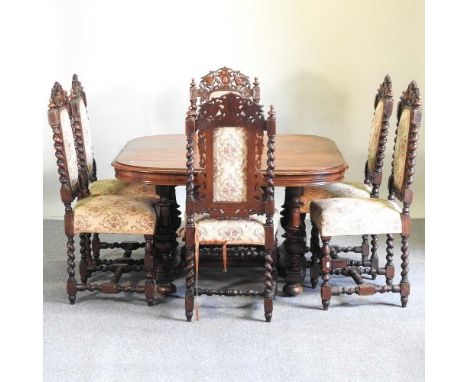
295,241
165,239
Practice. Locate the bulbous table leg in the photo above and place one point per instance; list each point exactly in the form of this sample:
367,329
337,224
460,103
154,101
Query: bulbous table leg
295,241
165,239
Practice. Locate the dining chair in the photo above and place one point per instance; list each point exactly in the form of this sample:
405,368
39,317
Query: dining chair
214,84
356,216
110,214
229,200
222,81
383,107
89,184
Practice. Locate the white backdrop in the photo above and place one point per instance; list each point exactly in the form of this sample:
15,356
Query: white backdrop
318,62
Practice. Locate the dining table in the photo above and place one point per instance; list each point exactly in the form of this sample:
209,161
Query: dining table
300,161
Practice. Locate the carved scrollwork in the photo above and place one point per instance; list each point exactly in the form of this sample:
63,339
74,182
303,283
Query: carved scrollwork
224,79
231,109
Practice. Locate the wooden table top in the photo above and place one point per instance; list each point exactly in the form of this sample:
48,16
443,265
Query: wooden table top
300,160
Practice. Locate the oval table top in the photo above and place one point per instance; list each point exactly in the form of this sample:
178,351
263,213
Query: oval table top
300,160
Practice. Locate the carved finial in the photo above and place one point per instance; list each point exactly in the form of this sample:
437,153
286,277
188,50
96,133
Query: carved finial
192,83
256,83
272,112
411,96
75,77
58,96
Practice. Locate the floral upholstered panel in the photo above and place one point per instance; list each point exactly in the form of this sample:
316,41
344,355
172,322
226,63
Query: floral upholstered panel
117,187
401,148
70,150
334,190
229,164
114,214
249,231
87,140
375,135
355,216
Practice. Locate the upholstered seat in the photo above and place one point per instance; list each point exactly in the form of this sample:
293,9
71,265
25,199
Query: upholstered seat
117,187
114,213
334,190
353,216
249,231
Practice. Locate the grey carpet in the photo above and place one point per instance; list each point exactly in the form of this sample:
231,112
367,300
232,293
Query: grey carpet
119,338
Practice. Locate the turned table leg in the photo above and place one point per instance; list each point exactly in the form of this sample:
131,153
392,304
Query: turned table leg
295,241
165,239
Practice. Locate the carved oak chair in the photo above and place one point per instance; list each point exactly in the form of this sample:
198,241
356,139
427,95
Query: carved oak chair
222,81
227,203
383,105
89,184
355,216
113,214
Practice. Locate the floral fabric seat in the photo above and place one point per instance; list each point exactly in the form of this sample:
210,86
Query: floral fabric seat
249,231
353,216
118,187
114,213
334,190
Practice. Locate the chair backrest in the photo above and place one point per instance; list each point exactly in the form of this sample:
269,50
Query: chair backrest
409,116
82,131
383,107
65,151
230,144
222,81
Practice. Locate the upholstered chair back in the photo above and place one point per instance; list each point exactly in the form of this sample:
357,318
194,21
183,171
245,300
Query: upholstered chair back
221,82
230,144
82,129
383,106
67,160
409,117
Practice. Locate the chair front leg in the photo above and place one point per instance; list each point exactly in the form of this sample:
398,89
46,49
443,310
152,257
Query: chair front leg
269,286
71,282
149,264
404,283
389,268
189,275
326,268
96,245
83,259
315,258
374,258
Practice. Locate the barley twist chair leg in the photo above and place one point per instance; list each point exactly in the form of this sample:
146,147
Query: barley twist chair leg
389,268
83,259
71,282
269,286
315,258
404,283
149,264
374,258
326,268
96,245
189,275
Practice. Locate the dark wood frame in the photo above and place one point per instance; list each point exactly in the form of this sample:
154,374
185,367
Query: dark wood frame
409,100
230,110
371,178
59,101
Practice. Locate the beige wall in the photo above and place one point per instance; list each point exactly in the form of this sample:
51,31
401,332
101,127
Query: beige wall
319,63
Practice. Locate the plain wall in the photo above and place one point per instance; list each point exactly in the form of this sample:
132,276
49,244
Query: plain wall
318,62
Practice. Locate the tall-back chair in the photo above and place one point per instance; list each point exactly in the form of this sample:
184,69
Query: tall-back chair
383,107
230,201
114,214
89,183
355,216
